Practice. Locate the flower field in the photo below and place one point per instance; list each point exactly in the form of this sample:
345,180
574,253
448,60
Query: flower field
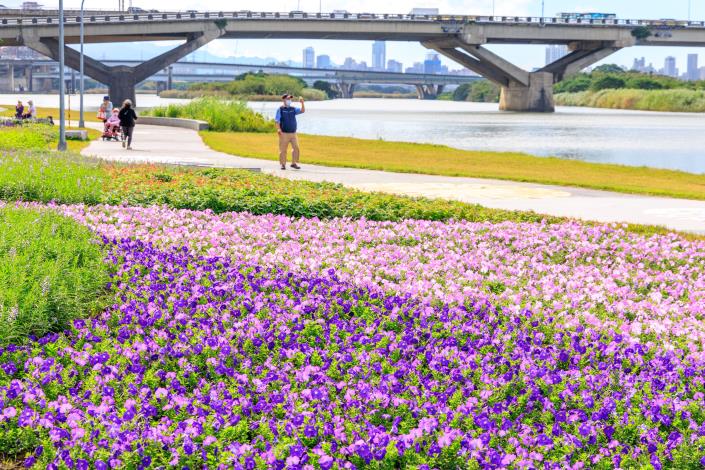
265,341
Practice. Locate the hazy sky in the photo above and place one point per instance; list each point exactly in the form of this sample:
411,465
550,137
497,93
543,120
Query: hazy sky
525,56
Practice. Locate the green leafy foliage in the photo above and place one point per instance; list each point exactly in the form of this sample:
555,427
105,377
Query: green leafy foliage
51,271
219,114
608,82
225,190
482,91
28,137
251,85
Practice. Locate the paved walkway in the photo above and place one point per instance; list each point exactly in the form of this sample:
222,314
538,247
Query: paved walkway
184,147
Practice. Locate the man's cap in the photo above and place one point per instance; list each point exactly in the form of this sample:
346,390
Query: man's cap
286,95
106,97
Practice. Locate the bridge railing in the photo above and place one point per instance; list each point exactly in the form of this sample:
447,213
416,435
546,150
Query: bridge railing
72,17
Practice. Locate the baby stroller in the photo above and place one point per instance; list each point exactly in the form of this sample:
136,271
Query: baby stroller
111,130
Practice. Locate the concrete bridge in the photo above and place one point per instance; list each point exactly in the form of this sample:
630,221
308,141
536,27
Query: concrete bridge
428,86
461,38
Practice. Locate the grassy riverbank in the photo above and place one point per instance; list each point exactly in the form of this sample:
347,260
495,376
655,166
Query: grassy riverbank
442,160
690,101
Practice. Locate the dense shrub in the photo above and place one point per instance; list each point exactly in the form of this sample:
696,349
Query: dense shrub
580,82
51,271
608,82
326,88
644,83
461,93
219,114
482,91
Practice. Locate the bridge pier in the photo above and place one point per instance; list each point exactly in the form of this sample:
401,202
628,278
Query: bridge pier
121,79
429,92
523,91
346,90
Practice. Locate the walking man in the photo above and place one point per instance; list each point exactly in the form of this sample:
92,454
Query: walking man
286,128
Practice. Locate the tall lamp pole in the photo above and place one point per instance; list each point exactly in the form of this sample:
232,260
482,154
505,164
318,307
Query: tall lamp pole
62,85
81,122
542,9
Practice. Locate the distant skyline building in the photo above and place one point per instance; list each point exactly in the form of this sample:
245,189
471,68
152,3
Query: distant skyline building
323,62
309,58
432,64
693,73
394,66
416,68
379,55
669,67
553,53
639,65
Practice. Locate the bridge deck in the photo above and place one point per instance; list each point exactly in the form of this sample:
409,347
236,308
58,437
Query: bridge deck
505,29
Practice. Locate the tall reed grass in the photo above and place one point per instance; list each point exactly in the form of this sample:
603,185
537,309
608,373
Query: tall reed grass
220,115
679,100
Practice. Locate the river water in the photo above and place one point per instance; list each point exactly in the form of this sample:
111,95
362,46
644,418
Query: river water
661,140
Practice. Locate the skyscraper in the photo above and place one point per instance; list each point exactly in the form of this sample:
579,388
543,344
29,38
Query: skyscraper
309,58
693,72
669,67
379,55
553,53
323,62
432,64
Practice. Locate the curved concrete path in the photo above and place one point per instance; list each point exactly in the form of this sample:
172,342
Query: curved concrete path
184,147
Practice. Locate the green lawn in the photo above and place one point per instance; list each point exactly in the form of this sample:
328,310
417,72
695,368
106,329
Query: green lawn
19,138
442,160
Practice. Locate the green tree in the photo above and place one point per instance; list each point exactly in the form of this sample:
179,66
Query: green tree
608,68
483,91
461,93
326,88
644,83
608,82
580,82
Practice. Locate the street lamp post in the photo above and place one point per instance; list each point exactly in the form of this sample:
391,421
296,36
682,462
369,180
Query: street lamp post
81,122
62,85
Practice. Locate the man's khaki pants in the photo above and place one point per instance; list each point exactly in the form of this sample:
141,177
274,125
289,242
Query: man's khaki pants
286,138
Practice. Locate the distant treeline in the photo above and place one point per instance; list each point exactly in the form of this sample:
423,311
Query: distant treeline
613,77
608,86
250,85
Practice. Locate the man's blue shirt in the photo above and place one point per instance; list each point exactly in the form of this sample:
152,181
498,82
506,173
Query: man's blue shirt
286,117
278,117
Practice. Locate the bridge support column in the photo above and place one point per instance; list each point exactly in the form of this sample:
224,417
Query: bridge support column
121,80
536,97
523,91
347,90
428,92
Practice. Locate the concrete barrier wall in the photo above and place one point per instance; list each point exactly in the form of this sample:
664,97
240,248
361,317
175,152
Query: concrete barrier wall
173,122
